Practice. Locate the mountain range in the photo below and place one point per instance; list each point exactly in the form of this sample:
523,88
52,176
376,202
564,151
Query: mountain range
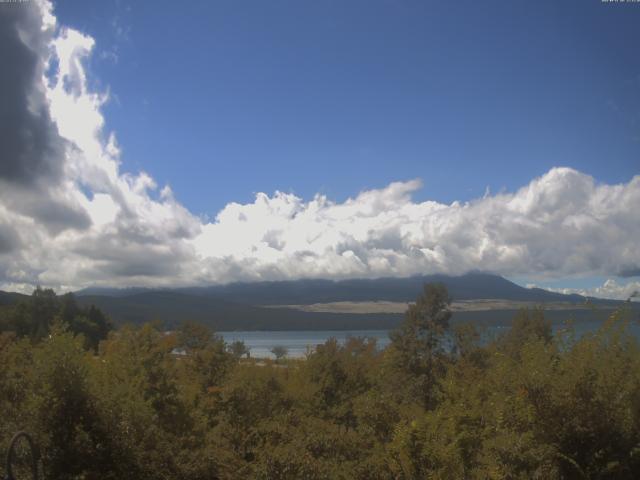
464,287
268,305
241,306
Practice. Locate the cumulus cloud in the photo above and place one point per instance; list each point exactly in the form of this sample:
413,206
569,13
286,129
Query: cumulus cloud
70,217
31,166
611,288
30,143
562,223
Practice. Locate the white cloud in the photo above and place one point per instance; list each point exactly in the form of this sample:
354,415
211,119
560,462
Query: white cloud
611,288
119,228
562,223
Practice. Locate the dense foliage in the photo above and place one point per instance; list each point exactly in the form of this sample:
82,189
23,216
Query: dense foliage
34,317
148,404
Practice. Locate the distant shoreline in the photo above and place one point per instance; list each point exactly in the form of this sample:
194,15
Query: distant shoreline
479,305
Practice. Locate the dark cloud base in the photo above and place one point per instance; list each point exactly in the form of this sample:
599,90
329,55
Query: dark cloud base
31,147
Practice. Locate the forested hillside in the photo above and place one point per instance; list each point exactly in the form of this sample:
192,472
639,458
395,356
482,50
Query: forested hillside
463,287
171,308
33,317
527,405
240,306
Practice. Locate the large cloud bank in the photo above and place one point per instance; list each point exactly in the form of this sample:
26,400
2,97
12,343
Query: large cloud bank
610,288
69,217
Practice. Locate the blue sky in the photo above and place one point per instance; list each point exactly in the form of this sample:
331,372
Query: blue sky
173,144
224,99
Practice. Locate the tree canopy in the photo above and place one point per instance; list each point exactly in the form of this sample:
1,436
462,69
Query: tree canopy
141,403
34,317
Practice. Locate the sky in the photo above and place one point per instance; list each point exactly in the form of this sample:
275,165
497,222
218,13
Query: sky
155,143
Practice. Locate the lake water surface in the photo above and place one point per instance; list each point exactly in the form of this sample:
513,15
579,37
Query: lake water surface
297,342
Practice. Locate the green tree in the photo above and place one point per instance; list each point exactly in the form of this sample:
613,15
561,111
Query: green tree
417,351
207,357
279,352
238,349
34,317
529,325
65,421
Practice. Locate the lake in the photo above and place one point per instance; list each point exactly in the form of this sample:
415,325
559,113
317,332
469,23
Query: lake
297,342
